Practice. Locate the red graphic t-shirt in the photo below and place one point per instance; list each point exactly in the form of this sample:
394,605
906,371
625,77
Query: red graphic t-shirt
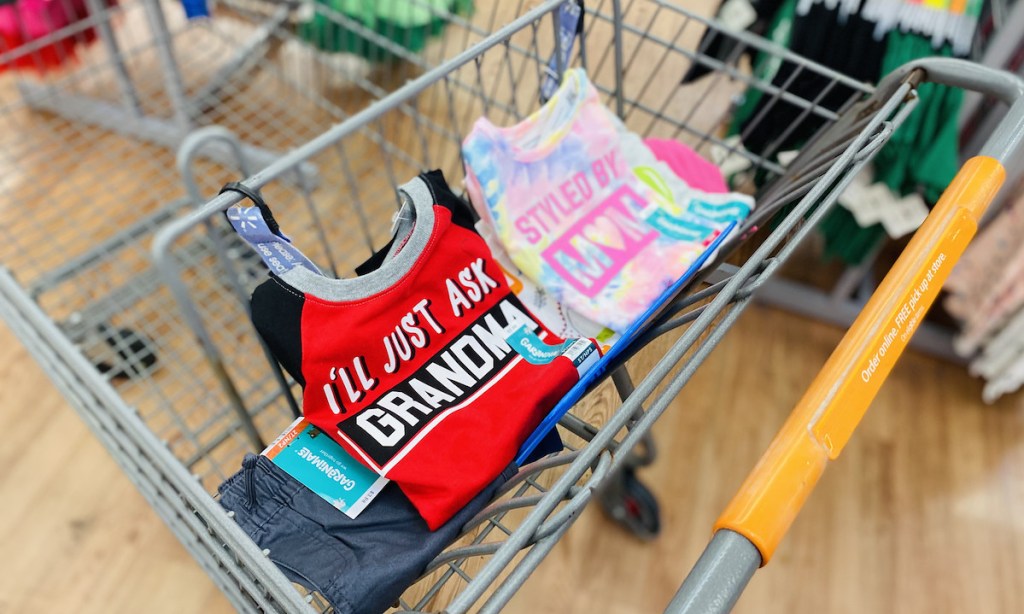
423,368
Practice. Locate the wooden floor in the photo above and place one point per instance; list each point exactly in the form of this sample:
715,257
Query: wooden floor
923,513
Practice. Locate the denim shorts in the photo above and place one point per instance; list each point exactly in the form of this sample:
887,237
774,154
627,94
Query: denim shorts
361,565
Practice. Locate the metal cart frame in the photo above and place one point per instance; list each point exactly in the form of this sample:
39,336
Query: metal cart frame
751,527
180,427
149,80
128,116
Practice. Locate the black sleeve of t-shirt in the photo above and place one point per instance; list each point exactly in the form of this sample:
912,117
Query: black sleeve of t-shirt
375,260
462,213
277,315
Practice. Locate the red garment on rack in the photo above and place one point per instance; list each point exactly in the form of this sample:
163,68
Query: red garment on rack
44,23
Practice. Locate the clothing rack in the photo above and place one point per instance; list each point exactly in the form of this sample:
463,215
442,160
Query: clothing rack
186,103
840,304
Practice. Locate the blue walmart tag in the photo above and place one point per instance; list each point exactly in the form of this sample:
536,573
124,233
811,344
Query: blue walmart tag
570,16
276,250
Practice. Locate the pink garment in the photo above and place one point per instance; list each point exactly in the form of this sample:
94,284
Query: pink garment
1000,304
27,21
978,274
698,173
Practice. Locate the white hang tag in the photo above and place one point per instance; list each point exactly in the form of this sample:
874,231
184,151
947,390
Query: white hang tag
786,157
737,15
866,203
904,216
730,162
399,215
1009,381
852,198
305,13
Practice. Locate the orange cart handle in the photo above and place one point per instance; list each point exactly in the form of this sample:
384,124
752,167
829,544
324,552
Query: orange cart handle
825,418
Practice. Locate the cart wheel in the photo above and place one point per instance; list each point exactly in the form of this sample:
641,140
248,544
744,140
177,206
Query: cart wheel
633,506
136,352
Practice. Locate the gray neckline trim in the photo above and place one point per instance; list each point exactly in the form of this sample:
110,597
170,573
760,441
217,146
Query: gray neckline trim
417,227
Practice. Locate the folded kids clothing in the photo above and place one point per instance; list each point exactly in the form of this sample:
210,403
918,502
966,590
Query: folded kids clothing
563,321
586,210
998,305
360,565
979,271
986,293
1001,361
427,369
986,288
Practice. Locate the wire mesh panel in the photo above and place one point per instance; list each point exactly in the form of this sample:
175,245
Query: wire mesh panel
169,371
91,117
91,114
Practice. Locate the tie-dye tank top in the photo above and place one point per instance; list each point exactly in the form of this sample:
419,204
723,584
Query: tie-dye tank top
584,208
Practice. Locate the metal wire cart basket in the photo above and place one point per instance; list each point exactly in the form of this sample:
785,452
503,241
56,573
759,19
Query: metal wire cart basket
133,293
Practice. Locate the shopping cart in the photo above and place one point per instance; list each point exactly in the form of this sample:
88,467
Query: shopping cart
111,98
179,426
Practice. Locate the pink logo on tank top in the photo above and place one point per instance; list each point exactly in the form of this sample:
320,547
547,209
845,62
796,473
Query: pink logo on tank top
594,249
